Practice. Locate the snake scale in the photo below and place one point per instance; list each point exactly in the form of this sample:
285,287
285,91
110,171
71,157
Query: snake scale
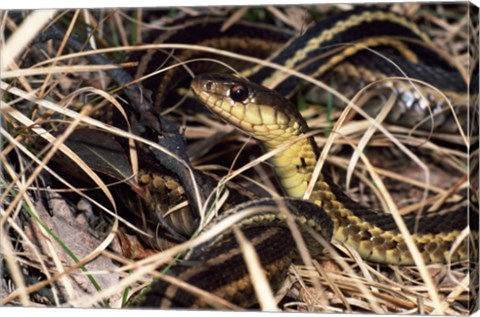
268,117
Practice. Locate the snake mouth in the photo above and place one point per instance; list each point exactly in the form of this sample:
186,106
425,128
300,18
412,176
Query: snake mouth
197,83
210,91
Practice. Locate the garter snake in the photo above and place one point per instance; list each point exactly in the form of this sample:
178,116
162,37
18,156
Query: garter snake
273,121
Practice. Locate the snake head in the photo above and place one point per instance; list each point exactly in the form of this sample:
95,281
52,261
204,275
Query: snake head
260,112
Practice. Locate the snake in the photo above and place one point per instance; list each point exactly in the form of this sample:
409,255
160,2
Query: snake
248,103
355,29
274,123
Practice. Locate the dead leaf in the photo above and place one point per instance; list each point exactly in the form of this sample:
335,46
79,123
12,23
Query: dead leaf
74,235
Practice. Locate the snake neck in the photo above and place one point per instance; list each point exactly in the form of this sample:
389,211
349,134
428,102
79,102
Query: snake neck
294,169
294,165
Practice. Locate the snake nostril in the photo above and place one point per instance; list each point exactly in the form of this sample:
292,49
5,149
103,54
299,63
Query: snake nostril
209,85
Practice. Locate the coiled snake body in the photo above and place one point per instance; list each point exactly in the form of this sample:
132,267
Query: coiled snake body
277,125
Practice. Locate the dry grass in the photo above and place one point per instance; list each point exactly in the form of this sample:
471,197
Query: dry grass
58,92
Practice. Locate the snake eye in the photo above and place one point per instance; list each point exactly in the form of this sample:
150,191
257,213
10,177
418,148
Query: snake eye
238,93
